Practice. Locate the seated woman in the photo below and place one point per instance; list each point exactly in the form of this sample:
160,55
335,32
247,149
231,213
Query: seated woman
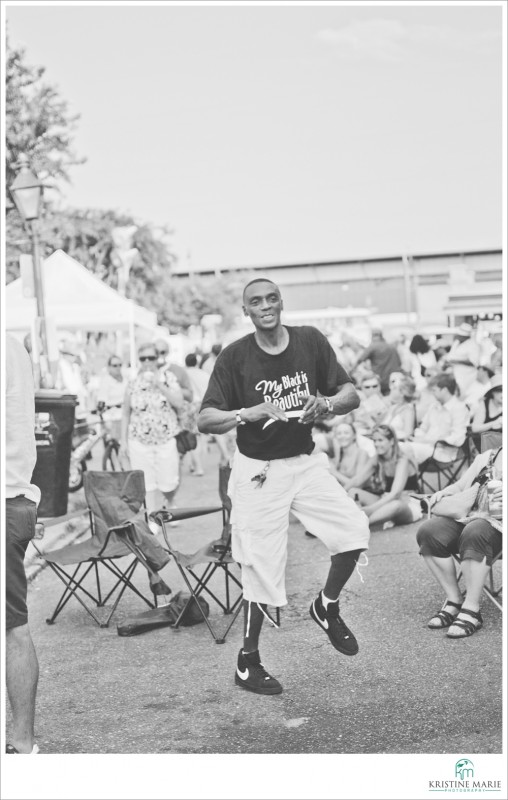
489,415
349,460
387,479
401,414
476,537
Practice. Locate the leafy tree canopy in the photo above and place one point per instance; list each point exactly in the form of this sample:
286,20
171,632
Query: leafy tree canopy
38,121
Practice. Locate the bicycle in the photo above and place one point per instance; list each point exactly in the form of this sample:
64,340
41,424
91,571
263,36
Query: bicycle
110,458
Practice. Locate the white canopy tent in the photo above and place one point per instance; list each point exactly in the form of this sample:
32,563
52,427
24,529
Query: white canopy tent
76,300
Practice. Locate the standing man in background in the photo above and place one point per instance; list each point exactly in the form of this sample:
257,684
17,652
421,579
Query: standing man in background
21,499
384,358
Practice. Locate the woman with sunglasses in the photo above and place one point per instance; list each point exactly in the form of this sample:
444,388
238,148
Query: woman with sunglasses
387,479
149,427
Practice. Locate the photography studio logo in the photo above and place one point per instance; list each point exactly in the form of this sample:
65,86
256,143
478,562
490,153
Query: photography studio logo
464,780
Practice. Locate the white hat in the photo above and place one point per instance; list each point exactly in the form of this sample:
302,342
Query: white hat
465,329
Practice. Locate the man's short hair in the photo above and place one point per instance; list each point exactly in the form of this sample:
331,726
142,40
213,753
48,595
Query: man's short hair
444,381
191,360
259,280
112,358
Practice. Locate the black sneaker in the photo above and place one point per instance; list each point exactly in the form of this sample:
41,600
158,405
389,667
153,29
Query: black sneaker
332,623
251,675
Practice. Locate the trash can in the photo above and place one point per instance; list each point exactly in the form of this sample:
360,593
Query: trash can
54,423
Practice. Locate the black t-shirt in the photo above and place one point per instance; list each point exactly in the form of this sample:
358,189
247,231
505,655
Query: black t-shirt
244,376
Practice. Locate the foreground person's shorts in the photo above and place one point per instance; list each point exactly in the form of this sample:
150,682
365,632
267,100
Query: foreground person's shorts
260,518
20,519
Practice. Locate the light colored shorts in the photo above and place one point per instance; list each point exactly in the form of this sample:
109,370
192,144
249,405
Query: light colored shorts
159,462
260,518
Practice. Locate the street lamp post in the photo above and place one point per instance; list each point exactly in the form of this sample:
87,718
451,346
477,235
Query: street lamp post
26,191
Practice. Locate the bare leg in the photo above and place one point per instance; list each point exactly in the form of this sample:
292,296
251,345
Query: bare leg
475,574
169,498
386,512
22,675
153,500
445,573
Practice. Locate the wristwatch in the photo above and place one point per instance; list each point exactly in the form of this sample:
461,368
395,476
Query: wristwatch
238,417
329,405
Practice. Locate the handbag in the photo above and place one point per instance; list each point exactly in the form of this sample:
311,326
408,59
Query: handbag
185,441
456,505
166,616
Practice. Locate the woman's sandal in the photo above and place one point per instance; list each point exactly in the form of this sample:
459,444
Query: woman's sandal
465,627
443,618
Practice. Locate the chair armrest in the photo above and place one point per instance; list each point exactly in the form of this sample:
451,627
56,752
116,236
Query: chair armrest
164,515
442,443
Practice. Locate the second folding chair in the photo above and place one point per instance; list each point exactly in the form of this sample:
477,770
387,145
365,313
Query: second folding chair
199,568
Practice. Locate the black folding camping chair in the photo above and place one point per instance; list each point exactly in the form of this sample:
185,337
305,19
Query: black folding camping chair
199,568
119,529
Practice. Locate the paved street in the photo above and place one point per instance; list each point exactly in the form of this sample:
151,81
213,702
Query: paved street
409,690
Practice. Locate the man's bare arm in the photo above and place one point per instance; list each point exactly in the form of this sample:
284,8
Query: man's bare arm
212,420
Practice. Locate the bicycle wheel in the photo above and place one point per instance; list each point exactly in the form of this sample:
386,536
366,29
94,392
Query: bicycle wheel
76,475
110,459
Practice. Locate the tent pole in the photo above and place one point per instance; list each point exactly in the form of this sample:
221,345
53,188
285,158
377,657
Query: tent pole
132,337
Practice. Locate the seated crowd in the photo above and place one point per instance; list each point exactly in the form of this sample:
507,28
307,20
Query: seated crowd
440,402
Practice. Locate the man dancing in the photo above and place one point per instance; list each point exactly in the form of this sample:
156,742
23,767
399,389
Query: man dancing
271,385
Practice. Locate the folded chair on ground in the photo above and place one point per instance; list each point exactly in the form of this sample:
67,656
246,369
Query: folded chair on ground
119,530
444,466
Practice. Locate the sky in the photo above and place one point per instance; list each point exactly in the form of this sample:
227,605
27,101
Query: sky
274,134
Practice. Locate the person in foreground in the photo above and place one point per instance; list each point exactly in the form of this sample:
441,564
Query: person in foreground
476,536
21,500
266,385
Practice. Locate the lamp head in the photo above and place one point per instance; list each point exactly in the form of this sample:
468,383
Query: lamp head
26,190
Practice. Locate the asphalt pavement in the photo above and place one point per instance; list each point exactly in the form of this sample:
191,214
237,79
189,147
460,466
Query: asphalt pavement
409,690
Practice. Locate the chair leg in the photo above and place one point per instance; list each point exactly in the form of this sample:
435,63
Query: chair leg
71,587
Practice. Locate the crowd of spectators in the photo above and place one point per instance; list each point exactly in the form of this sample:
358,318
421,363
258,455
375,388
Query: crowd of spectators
417,400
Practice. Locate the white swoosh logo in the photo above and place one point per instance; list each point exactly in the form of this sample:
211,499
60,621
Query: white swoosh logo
243,675
290,414
323,622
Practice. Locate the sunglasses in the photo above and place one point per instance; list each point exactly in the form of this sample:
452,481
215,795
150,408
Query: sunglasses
148,358
371,385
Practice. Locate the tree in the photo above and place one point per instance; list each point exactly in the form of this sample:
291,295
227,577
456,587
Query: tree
38,121
184,301
39,124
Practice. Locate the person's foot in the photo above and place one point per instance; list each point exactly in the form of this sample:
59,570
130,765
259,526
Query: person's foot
11,750
466,623
334,626
251,675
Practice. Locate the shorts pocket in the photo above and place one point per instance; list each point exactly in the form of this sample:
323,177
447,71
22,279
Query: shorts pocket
241,545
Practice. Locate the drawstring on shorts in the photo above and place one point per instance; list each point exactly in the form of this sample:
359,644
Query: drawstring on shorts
365,564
